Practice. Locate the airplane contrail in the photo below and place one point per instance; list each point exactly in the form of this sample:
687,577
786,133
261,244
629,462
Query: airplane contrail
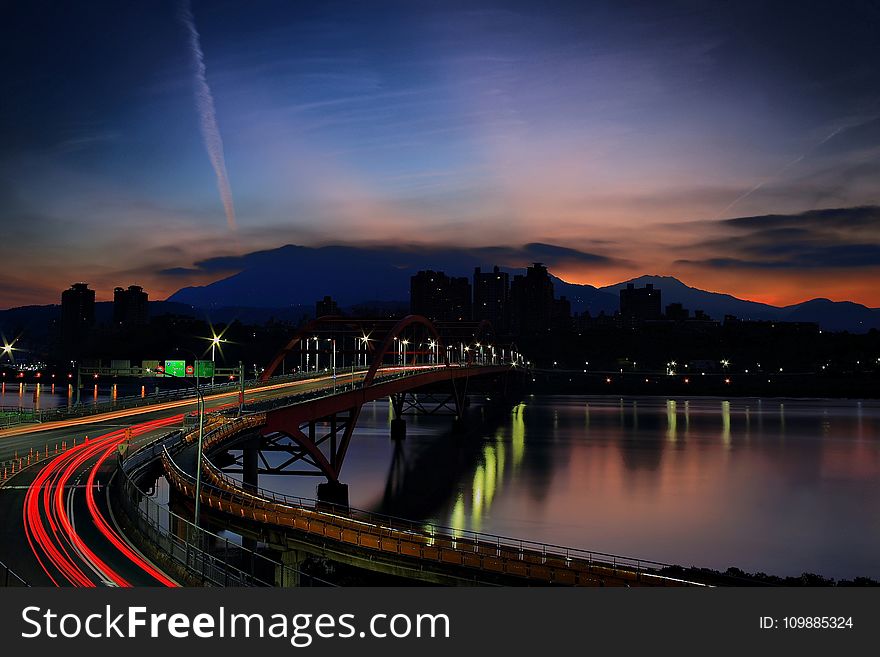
207,115
785,168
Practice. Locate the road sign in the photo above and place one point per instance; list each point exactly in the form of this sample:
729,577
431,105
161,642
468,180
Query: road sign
175,368
189,370
205,368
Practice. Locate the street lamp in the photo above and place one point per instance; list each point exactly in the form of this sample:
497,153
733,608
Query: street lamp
215,342
8,348
201,411
332,341
404,343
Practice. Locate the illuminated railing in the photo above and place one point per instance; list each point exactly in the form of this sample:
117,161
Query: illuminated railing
200,556
14,415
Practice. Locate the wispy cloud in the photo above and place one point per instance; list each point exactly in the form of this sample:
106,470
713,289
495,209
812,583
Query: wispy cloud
207,114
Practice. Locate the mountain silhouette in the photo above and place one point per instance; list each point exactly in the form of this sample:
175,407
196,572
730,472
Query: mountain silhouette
297,275
285,283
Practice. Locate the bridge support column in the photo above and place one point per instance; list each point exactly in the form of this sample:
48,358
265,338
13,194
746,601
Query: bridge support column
333,494
398,424
287,572
398,428
250,466
461,404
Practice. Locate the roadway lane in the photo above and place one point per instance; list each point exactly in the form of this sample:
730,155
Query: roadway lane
56,528
53,507
18,441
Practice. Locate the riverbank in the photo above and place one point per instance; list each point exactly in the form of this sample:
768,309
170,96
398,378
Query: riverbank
708,384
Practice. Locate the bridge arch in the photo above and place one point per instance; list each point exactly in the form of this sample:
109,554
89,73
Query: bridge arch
301,334
395,332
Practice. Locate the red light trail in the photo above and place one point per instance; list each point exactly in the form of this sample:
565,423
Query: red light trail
48,521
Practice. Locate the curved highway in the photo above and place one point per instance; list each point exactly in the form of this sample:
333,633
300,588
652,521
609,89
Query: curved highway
58,529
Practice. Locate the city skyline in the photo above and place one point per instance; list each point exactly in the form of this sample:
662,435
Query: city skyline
735,148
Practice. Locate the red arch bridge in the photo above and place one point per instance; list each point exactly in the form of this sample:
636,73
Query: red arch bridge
310,434
421,366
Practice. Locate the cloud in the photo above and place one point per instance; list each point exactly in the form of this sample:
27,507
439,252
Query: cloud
208,115
406,256
183,272
833,257
551,252
832,238
845,218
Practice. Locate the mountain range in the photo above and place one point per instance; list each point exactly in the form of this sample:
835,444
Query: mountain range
285,283
297,275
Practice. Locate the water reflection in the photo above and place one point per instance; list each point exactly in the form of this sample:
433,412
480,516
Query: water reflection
671,420
779,486
771,485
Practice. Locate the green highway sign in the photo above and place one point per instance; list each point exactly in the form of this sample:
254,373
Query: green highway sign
205,368
175,368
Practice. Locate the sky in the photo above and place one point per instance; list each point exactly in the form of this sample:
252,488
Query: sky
735,146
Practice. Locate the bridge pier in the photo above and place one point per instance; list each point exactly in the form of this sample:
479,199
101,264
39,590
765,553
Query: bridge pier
333,493
287,573
398,428
398,424
250,465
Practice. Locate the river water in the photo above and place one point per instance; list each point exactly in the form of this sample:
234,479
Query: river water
53,395
779,486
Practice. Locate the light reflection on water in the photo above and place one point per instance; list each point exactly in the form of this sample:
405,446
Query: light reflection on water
50,395
779,486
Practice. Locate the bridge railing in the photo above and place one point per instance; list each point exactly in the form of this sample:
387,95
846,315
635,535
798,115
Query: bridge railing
8,578
16,415
201,555
397,373
463,538
223,491
26,415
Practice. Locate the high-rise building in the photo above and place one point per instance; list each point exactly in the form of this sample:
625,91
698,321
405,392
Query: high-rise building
440,297
492,298
77,314
561,319
639,304
677,312
326,306
531,301
131,307
459,299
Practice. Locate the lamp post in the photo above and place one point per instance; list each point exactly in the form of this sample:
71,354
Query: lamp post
332,342
201,410
215,342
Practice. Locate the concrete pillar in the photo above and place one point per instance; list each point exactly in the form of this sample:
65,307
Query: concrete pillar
287,572
398,428
333,494
250,466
